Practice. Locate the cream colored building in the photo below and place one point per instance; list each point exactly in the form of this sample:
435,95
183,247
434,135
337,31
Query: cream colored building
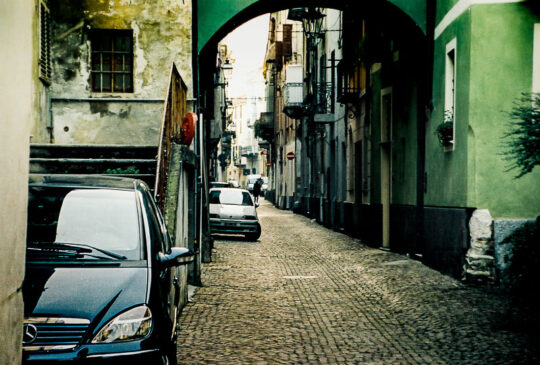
19,82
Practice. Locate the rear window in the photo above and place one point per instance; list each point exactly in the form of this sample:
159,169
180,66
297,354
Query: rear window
103,218
230,197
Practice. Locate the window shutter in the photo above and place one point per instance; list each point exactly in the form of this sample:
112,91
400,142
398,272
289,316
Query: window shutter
45,68
287,41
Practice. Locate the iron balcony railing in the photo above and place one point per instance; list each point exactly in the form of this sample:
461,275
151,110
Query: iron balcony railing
324,98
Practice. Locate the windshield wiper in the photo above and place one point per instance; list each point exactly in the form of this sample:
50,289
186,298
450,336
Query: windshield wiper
57,249
92,248
75,249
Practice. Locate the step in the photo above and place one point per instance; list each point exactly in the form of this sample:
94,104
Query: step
93,151
89,166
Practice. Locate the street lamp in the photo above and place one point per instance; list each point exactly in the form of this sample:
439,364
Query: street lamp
310,17
227,69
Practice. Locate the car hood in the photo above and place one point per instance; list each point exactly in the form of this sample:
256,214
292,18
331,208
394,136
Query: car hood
232,211
92,292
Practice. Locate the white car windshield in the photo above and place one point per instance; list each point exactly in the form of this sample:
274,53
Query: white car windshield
230,197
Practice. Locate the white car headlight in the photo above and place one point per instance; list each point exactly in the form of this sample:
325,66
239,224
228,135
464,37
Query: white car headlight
133,324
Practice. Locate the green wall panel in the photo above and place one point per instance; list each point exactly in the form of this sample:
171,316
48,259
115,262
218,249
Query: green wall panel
447,172
494,66
213,14
501,69
416,9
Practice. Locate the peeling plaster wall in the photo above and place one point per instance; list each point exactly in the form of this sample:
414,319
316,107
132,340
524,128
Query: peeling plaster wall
161,35
17,102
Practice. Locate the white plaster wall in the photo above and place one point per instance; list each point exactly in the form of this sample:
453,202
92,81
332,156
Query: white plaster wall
17,105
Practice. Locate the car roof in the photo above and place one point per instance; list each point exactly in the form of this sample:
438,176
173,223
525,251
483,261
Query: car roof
229,189
89,181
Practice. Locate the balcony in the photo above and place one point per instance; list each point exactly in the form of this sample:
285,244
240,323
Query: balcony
324,102
293,91
351,82
267,126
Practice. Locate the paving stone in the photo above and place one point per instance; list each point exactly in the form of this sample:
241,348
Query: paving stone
303,294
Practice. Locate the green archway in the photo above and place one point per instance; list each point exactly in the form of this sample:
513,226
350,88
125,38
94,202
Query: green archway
215,15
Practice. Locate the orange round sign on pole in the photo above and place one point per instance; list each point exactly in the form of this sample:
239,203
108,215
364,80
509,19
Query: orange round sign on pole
268,164
188,128
290,156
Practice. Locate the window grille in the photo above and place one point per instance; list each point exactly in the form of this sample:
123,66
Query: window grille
112,60
44,62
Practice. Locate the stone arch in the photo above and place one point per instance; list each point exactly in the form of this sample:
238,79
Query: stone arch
215,18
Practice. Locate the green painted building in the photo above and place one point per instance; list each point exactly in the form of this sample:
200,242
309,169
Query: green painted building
484,59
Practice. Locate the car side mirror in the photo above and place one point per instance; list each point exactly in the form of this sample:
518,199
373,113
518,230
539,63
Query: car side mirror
177,256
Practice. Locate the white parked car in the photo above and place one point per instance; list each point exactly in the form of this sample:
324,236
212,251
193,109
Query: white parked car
251,179
233,211
264,186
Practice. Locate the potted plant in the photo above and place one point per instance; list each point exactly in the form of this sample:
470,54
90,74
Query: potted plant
445,130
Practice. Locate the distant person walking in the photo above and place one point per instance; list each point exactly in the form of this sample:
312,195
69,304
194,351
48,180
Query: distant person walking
257,189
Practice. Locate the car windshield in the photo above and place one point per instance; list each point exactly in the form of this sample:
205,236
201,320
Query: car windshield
103,222
230,197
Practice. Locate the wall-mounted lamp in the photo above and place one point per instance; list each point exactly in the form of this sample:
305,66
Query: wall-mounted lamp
227,69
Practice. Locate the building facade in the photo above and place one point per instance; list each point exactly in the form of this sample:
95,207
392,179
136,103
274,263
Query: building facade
110,66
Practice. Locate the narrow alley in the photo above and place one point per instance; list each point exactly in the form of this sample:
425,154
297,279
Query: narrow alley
306,294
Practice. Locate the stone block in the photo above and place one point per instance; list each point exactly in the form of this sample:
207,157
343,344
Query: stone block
481,225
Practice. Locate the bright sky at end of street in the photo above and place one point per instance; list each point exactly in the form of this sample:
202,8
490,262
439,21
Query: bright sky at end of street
247,44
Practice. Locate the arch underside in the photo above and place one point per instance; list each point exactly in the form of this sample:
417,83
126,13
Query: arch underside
216,18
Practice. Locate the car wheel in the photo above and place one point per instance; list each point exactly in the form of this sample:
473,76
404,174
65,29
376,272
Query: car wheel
168,357
255,235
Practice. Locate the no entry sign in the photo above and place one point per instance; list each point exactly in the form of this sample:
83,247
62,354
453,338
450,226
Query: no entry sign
290,156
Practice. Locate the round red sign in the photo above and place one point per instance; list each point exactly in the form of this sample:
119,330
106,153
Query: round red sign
290,156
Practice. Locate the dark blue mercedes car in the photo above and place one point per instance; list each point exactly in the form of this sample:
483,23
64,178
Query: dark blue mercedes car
102,280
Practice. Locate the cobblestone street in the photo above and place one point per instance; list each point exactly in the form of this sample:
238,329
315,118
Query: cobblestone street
306,294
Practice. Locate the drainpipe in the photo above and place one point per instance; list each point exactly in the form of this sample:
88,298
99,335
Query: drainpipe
50,125
424,111
195,67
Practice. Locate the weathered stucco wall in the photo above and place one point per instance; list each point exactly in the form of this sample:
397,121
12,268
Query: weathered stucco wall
161,35
17,105
102,122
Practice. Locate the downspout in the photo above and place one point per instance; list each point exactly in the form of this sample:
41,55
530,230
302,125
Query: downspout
195,67
50,124
424,113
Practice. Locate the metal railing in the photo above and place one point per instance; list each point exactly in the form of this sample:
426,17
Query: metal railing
324,98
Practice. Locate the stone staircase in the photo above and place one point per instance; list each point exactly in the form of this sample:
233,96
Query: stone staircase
117,160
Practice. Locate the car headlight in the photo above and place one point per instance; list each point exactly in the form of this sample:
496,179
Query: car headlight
133,324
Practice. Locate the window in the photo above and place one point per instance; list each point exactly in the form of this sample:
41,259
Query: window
44,62
536,59
112,60
450,90
102,218
230,197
